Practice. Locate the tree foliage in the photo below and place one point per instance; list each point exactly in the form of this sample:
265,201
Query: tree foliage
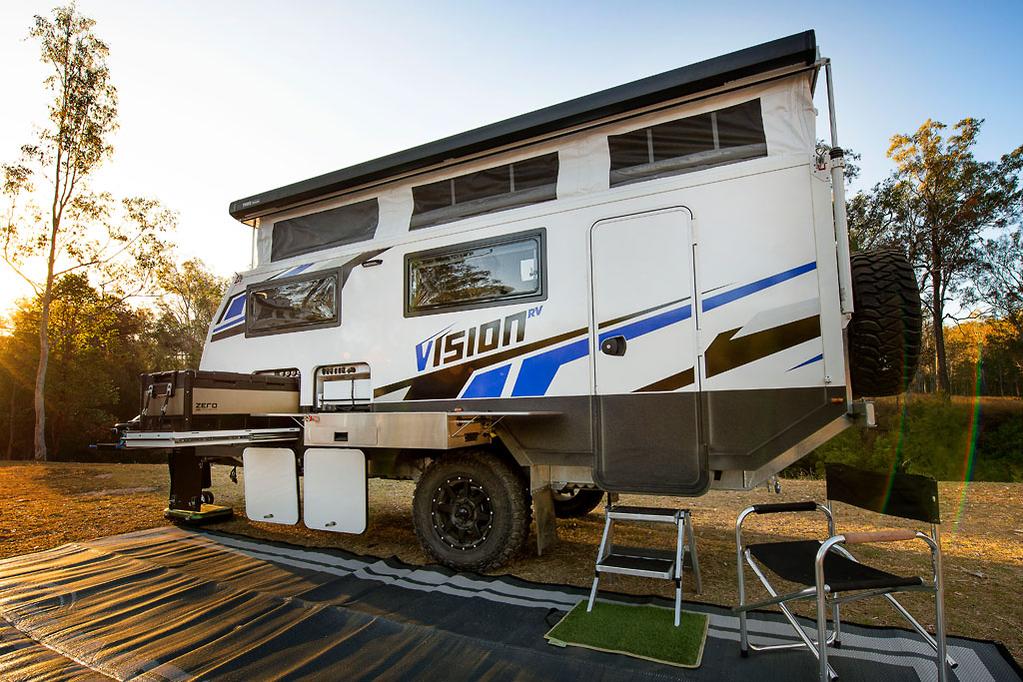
100,345
97,350
938,205
189,299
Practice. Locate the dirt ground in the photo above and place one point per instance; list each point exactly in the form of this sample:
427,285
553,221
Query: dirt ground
52,504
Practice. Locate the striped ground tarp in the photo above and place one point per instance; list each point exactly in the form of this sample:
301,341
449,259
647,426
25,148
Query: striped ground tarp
174,604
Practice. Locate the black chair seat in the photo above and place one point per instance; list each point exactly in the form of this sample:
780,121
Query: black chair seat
794,561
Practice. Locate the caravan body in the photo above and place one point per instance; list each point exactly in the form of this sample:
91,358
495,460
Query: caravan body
641,290
697,232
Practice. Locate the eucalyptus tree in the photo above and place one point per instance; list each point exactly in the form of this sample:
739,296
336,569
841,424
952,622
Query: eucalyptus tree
938,206
54,224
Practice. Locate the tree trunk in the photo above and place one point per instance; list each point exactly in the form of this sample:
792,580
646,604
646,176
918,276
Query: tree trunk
44,344
40,388
938,317
10,435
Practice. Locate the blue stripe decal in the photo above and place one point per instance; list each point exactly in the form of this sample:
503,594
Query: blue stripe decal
537,373
761,284
489,384
650,324
236,308
808,362
234,315
293,271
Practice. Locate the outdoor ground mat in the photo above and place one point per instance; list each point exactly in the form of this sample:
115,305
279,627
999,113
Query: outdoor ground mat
641,630
176,604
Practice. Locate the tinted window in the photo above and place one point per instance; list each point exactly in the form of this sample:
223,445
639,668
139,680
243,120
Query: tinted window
294,304
712,139
476,274
494,189
344,225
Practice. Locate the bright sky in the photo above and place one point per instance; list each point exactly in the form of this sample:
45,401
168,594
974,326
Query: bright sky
220,100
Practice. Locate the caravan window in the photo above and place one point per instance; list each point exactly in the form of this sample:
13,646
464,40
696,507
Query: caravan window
712,139
476,275
344,225
293,304
494,189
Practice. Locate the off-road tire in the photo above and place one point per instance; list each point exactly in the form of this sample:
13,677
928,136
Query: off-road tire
884,333
506,492
578,505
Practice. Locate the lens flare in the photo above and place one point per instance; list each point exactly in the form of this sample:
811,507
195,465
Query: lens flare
900,440
971,441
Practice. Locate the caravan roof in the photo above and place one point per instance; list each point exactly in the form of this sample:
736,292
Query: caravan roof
794,50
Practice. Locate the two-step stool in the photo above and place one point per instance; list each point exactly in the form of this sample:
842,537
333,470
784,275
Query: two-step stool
643,561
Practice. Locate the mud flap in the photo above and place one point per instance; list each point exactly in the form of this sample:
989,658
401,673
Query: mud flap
546,521
543,507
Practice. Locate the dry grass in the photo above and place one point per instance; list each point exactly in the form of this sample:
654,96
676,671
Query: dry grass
47,505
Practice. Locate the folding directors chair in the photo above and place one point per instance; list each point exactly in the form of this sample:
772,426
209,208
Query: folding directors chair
831,574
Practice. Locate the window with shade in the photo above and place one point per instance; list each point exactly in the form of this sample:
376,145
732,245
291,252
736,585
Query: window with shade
689,144
501,188
479,274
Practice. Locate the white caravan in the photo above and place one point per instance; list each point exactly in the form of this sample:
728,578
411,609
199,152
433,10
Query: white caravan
647,289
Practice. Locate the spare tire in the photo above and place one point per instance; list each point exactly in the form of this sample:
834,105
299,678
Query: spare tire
574,502
884,333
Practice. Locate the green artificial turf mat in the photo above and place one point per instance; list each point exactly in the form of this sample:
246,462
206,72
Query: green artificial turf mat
634,630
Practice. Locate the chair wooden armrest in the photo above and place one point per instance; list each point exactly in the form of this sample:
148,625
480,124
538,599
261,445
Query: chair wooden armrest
889,535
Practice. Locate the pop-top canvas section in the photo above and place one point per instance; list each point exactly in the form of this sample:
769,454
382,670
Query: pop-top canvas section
767,114
768,120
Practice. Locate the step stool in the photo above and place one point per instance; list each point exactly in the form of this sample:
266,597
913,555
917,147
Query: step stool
643,561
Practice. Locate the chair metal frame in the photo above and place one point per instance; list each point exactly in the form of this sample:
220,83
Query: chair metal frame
826,598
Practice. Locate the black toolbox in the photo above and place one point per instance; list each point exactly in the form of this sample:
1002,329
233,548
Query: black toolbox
198,400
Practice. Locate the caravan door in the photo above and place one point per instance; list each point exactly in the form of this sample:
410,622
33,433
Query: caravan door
643,337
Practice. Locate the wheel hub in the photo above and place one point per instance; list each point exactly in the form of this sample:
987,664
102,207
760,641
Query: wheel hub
462,513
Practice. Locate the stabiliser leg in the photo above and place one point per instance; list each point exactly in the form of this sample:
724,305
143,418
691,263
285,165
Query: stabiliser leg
189,475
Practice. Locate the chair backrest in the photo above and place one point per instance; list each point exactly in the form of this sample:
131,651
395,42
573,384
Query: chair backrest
905,495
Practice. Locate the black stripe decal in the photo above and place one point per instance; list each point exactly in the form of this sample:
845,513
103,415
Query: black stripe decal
346,269
233,331
623,318
675,381
724,353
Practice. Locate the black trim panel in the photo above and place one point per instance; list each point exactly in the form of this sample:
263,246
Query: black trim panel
650,443
746,430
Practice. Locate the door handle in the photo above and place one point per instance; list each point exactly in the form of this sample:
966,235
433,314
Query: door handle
614,345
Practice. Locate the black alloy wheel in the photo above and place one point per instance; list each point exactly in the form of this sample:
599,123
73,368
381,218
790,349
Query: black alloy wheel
463,513
471,510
